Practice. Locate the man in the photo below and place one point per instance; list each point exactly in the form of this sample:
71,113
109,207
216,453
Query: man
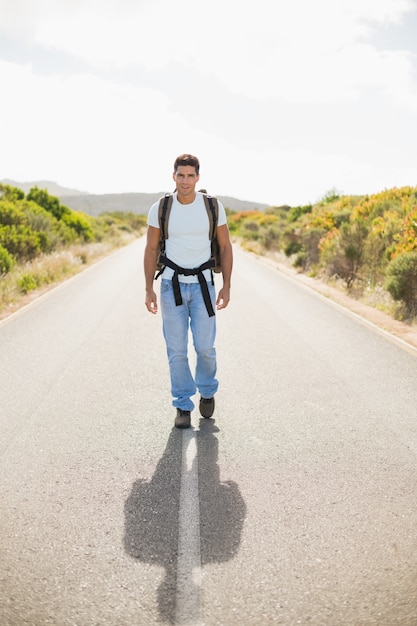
187,247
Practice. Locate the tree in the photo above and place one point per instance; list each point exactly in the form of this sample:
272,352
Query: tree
50,203
7,192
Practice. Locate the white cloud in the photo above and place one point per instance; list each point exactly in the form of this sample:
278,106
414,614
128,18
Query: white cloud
298,99
300,50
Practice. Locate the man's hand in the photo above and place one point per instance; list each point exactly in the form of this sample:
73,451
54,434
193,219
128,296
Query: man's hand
151,302
223,298
226,261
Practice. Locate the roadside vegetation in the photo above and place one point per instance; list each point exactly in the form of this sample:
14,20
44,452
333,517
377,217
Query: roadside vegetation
366,245
42,242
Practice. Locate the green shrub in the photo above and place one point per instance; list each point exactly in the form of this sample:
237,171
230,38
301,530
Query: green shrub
80,223
296,212
20,241
269,237
250,230
11,193
27,282
292,248
301,260
340,217
51,231
401,280
10,213
6,261
49,203
310,238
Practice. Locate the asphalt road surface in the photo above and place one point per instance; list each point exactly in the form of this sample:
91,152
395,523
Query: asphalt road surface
296,505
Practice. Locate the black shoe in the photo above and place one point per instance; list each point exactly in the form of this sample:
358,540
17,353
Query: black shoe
183,419
206,407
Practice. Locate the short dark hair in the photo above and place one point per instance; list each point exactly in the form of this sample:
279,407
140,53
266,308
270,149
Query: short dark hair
187,159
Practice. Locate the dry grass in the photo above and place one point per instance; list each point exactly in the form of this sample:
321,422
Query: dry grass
26,282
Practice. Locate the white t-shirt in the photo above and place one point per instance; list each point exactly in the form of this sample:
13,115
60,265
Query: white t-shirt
188,243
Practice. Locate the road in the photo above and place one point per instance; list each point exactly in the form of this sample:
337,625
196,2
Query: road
296,505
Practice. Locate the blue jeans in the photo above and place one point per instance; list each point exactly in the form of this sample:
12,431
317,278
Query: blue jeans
176,321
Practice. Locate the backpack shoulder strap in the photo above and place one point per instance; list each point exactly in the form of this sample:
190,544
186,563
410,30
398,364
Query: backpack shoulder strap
164,210
212,208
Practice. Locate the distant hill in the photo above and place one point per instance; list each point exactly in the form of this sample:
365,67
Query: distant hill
93,204
53,188
110,202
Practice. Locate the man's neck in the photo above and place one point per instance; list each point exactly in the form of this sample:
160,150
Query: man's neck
186,199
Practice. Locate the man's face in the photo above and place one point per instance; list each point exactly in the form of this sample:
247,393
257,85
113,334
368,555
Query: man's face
186,179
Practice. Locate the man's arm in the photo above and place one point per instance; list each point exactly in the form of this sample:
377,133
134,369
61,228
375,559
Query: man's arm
149,265
226,262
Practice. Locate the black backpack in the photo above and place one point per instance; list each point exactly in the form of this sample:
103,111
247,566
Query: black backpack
164,211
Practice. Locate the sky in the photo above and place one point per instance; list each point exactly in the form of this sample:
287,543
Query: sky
282,101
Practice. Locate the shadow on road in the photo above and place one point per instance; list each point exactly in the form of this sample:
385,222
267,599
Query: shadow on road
152,511
222,508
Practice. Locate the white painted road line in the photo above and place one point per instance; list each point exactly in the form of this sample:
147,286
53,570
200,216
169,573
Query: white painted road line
188,592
